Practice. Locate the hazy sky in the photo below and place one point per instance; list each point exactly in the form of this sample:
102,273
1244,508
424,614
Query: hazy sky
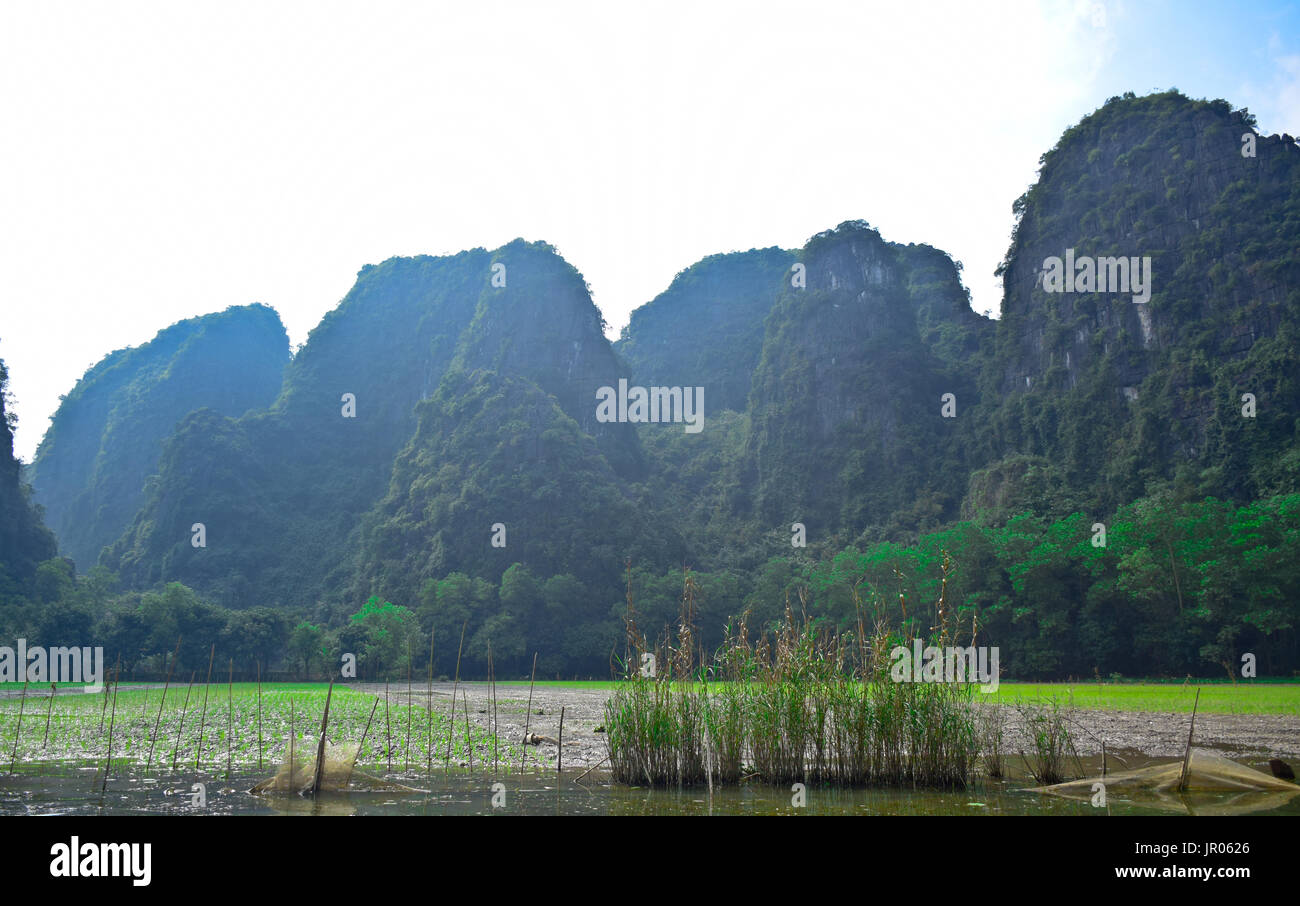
163,160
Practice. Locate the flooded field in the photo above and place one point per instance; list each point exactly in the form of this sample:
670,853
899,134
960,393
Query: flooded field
201,750
57,789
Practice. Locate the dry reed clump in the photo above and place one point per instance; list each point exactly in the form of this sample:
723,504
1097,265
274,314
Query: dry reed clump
1044,726
799,704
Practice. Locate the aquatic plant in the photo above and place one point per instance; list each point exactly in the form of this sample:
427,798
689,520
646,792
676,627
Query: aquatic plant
797,704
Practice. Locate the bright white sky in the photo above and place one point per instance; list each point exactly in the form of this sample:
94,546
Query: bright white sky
163,160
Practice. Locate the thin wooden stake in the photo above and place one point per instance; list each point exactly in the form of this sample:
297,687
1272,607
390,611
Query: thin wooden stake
492,680
469,744
454,687
367,729
104,708
230,712
428,709
559,747
259,715
528,716
388,731
54,690
1187,755
13,760
592,768
409,704
181,726
158,721
108,762
203,718
320,746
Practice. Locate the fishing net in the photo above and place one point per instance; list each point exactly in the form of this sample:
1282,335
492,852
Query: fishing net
297,772
1207,773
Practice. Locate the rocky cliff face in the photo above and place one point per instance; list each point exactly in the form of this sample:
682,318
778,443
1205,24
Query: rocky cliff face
706,329
511,439
107,435
24,539
283,492
541,325
280,491
1160,179
848,386
847,407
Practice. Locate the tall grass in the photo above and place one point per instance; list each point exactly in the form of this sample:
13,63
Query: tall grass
797,703
1046,730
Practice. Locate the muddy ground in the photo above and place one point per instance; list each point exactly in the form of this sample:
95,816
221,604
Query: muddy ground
1245,737
584,713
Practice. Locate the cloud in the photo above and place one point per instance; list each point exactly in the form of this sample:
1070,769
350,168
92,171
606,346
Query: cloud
1286,92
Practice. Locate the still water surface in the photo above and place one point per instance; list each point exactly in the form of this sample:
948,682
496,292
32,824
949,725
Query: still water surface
61,789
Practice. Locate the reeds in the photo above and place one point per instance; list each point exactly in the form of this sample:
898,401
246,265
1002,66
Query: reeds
1045,729
801,704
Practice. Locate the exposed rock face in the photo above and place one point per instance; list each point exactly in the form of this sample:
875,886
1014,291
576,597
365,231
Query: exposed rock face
24,539
282,492
847,404
847,386
542,326
107,435
1160,177
1120,393
706,329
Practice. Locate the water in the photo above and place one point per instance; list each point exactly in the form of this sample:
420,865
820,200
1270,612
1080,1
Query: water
62,789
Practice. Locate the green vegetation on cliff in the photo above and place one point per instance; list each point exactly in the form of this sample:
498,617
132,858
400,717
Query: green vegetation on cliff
434,451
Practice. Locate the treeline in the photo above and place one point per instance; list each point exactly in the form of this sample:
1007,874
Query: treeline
1163,588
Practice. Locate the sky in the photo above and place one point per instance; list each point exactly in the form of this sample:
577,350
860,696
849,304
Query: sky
164,160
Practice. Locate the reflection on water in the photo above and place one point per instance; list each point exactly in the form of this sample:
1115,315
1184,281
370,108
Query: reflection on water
74,790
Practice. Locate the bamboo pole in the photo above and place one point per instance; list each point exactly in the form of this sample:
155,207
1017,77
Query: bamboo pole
54,690
1187,755
455,686
492,681
108,762
259,715
388,731
181,726
605,759
559,747
158,721
469,743
409,704
292,768
528,715
428,709
13,760
104,708
320,745
203,718
366,731
230,712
